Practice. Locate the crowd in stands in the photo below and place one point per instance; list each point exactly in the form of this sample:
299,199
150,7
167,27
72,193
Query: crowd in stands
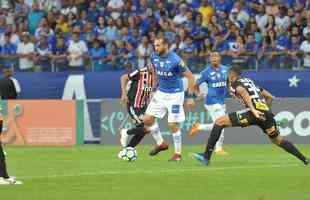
99,35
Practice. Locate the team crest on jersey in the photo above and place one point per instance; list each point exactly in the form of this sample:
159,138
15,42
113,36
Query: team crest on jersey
161,64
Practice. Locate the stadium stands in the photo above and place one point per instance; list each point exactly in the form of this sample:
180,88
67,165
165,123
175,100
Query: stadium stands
117,34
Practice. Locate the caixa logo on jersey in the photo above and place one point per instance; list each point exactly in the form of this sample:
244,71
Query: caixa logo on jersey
298,123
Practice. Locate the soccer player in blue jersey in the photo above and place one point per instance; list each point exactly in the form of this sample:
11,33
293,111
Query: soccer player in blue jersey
169,95
170,70
215,76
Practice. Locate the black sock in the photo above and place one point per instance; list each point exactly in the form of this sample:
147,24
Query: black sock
289,147
214,137
135,140
3,170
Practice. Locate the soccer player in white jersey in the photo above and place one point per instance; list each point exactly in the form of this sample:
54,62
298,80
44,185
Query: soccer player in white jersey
215,76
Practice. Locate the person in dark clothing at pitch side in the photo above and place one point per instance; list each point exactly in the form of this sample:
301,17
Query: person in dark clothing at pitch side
9,89
9,86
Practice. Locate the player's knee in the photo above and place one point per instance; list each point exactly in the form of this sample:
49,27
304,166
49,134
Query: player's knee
173,127
277,140
148,120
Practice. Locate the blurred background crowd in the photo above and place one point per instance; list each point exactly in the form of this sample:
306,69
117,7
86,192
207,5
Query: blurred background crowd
99,35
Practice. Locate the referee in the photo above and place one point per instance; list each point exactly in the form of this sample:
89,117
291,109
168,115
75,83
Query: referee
9,89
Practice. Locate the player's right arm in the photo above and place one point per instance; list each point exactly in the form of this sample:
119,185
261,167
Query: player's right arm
268,97
202,79
248,102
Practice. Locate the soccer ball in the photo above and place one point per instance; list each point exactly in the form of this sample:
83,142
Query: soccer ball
128,154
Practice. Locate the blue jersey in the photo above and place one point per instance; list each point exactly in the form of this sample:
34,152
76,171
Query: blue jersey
169,69
216,79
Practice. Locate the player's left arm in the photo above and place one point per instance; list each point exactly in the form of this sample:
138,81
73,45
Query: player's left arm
191,82
268,97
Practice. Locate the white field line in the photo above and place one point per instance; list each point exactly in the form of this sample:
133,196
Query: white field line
162,171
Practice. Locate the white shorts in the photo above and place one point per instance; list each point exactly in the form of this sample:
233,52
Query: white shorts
163,102
216,110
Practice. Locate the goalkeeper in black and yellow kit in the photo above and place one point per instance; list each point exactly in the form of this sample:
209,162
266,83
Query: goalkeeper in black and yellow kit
257,112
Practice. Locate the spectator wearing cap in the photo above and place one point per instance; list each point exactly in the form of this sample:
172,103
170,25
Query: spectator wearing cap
77,51
25,52
7,51
34,18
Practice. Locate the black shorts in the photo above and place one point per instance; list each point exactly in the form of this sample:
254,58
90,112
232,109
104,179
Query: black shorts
244,118
136,114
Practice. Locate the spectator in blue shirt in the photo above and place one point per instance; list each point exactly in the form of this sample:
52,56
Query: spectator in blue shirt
98,54
7,51
93,12
60,55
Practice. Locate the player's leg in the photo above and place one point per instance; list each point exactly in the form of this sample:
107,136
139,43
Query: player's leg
219,144
161,145
241,118
174,128
176,115
202,127
140,131
218,127
134,114
270,128
3,169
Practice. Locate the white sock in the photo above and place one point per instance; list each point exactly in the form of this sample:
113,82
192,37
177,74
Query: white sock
156,134
205,127
177,140
219,143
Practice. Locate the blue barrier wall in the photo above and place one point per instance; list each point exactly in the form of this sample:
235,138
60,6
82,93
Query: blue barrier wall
107,85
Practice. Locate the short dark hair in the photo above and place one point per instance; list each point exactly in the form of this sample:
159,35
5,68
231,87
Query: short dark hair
236,70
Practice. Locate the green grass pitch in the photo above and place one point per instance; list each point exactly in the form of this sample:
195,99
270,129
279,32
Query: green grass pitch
250,172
